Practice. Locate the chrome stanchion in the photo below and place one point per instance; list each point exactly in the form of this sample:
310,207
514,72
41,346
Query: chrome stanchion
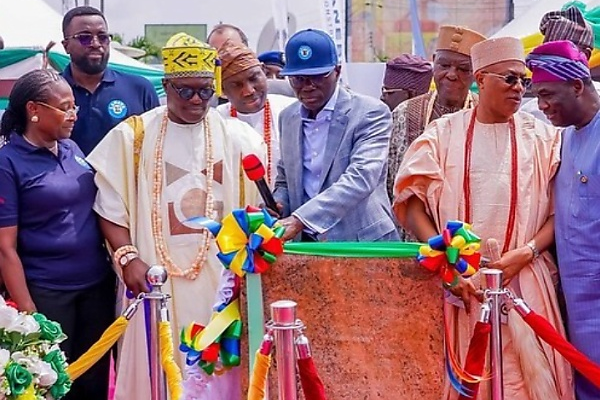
284,324
495,293
156,277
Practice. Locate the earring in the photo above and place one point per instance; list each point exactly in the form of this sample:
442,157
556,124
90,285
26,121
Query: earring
35,119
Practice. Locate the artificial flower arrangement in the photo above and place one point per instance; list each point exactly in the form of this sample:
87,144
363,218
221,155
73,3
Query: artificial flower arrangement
32,365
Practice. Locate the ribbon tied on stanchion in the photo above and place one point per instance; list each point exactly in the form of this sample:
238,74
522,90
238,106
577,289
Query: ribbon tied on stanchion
452,253
249,239
217,346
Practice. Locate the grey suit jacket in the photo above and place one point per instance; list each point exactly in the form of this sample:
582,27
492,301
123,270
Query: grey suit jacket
352,204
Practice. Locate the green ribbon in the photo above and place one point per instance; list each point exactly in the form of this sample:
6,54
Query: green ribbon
354,249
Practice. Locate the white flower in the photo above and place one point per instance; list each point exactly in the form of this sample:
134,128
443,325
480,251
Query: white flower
7,316
44,372
20,358
4,358
23,324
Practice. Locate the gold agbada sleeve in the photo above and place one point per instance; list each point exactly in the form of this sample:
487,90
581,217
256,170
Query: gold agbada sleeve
112,159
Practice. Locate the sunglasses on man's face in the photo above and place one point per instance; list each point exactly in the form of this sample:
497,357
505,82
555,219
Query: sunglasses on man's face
86,39
186,93
512,80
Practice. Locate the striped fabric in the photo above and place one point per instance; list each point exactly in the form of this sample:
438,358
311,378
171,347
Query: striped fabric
557,61
569,25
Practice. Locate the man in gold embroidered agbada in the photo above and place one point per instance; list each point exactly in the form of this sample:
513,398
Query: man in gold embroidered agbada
180,161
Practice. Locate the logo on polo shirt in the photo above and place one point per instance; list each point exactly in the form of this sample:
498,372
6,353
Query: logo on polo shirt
83,163
304,52
117,109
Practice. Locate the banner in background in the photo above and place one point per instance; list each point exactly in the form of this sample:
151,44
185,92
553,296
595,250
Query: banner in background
280,20
334,13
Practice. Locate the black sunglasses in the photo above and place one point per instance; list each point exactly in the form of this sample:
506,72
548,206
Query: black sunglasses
86,39
186,93
512,80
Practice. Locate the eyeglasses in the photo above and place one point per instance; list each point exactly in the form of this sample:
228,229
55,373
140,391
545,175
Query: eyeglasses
512,80
68,114
316,80
86,39
186,93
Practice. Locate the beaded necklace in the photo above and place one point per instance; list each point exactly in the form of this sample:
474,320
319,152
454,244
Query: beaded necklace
157,225
266,132
512,211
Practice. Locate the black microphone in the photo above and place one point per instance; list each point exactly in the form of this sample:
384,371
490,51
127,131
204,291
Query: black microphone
255,171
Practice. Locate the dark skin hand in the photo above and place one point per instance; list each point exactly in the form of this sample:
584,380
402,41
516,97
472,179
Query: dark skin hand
293,226
134,274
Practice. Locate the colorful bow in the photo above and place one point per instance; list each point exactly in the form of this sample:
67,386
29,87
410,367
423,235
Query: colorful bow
220,341
454,252
249,239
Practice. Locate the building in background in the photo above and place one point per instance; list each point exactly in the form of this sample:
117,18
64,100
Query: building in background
381,29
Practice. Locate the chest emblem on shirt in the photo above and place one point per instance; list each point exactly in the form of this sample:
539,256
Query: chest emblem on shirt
83,163
117,109
304,52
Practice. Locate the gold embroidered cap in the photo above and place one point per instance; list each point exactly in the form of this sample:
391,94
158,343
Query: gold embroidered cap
457,39
185,56
493,51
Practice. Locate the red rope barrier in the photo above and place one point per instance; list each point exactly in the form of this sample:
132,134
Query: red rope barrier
577,359
312,386
475,361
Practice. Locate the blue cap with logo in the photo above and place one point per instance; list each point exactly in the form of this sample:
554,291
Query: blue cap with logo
309,52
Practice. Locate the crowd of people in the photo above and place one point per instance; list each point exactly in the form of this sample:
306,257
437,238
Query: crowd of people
98,181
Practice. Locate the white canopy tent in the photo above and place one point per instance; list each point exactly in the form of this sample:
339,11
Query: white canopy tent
33,24
528,22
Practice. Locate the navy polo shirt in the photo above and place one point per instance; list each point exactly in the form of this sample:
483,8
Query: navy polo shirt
118,96
49,198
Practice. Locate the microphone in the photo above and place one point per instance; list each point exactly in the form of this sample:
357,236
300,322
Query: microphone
255,171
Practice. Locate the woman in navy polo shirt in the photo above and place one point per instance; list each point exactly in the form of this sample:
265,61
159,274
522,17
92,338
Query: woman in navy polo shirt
52,257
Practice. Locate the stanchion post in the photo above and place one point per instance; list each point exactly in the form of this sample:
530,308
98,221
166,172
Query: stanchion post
283,315
156,277
493,287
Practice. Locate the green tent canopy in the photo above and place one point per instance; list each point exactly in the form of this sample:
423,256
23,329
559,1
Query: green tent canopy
59,61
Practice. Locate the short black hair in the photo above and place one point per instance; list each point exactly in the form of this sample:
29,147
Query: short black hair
78,12
222,27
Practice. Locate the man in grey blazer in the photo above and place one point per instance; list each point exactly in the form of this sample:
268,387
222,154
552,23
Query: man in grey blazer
331,177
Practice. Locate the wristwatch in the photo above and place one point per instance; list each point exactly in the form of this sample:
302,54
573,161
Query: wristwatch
125,259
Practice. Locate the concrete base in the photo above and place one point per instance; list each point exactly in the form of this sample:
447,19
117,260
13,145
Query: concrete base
375,325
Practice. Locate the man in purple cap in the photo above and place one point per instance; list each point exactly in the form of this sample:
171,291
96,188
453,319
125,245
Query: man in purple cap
334,144
563,86
406,76
567,24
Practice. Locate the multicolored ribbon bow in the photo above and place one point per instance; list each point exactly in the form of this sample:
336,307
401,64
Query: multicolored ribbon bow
454,252
218,344
249,239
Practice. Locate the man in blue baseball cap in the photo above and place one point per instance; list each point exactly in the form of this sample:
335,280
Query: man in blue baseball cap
334,145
